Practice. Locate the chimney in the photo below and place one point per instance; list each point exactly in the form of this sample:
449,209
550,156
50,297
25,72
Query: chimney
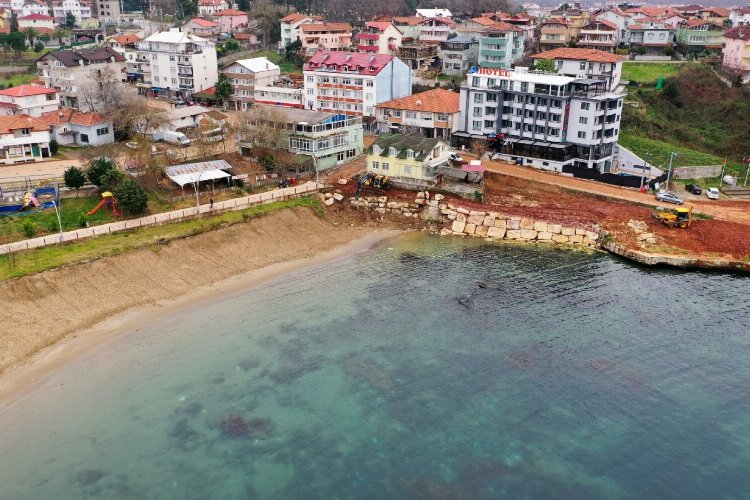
419,102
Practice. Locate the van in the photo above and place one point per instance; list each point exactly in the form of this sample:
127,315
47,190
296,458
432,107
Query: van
173,138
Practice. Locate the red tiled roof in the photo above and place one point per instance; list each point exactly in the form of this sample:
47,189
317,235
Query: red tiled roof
244,36
361,62
556,20
436,100
231,12
37,17
484,21
27,90
326,27
606,23
10,123
293,18
126,39
411,21
378,25
204,22
591,55
738,33
499,27
692,23
68,115
721,11
444,20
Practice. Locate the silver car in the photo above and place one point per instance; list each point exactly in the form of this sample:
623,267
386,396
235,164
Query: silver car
669,197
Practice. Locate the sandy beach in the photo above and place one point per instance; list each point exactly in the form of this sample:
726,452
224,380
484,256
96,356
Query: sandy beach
84,304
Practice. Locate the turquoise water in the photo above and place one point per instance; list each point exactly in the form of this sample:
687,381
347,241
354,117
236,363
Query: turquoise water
570,375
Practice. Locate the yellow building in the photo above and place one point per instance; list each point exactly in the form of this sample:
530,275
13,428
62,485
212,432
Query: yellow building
408,159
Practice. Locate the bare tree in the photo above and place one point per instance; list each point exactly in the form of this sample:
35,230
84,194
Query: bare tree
267,14
135,117
262,126
479,147
103,91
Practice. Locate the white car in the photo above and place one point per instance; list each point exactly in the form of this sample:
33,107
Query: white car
712,193
455,157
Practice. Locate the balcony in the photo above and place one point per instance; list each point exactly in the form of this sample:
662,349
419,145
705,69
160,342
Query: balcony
367,48
489,52
369,36
186,86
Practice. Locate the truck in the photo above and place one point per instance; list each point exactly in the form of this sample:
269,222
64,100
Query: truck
172,137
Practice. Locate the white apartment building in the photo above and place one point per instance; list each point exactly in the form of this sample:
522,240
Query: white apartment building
245,75
31,100
107,10
586,63
31,7
39,22
82,10
175,63
353,83
544,120
68,70
290,24
211,7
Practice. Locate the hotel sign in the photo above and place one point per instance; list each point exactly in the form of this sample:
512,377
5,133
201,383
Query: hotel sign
494,72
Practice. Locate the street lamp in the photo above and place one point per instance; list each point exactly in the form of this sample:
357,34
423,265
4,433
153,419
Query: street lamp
669,172
643,177
59,221
197,198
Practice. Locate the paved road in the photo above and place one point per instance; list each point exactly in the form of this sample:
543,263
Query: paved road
53,168
738,211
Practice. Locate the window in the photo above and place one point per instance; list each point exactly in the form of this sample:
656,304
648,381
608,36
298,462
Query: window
524,86
410,153
385,166
585,105
489,124
426,172
369,83
602,67
427,116
84,138
581,135
475,81
411,115
490,111
311,91
583,119
310,79
407,170
476,125
25,131
392,151
102,131
375,165
491,97
554,132
478,98
368,96
340,156
346,81
583,66
477,111
559,64
358,82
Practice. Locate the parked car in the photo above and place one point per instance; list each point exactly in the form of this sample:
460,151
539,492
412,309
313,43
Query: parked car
455,157
692,188
669,197
712,193
177,101
131,145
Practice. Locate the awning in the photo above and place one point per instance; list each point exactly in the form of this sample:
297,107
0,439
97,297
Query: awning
525,142
460,134
193,177
472,168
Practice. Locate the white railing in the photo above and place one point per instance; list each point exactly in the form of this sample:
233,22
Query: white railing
161,218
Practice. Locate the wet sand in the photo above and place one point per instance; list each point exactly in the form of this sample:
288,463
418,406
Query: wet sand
85,304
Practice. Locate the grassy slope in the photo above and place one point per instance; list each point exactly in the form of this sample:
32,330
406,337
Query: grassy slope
641,72
16,79
38,260
695,115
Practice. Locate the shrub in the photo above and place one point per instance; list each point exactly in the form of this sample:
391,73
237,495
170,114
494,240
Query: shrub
53,225
111,179
54,147
74,178
83,220
131,198
98,167
28,228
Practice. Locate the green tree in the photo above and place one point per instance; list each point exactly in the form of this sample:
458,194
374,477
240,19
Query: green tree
293,53
223,88
187,8
243,5
70,20
61,34
131,197
111,179
17,42
38,47
74,178
97,168
545,65
231,45
30,33
54,147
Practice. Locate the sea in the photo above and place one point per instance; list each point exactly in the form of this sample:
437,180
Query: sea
425,368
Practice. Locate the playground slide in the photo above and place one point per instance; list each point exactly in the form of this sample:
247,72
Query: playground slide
96,208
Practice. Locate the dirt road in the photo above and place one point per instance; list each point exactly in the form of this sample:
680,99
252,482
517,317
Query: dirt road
50,169
734,210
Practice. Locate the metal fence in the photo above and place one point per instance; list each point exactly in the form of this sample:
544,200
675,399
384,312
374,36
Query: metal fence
162,218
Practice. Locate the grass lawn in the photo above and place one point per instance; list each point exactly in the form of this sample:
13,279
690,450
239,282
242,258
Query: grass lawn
660,151
45,221
41,259
17,79
641,72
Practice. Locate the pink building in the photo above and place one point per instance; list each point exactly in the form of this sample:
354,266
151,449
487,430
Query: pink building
380,37
230,20
737,52
325,36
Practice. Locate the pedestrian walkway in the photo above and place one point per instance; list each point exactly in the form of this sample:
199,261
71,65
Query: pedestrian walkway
161,218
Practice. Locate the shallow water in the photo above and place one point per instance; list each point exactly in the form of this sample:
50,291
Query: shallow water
570,375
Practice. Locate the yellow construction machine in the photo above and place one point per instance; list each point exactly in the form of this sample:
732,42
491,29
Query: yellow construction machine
674,217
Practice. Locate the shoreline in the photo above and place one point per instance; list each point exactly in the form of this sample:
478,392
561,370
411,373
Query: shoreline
40,366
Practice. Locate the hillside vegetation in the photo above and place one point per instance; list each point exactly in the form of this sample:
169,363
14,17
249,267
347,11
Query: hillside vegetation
695,111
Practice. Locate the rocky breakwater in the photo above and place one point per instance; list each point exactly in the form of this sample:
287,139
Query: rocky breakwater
464,222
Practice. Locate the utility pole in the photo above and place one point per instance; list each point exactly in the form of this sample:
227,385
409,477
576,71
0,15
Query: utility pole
669,172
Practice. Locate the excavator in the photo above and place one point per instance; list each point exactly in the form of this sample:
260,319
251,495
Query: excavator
674,217
369,181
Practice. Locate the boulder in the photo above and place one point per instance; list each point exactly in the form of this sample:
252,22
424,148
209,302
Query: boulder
476,219
470,228
645,236
554,228
445,232
420,201
338,196
420,195
462,210
513,234
513,224
458,226
580,232
496,232
433,203
329,202
544,235
592,235
576,238
380,210
588,241
445,211
461,216
482,231
651,241
382,199
501,224
540,227
528,234
489,221
559,238
477,212
407,214
430,214
452,216
439,197
393,204
568,231
343,182
527,223
329,196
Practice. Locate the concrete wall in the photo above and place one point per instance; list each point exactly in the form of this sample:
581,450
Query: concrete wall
700,172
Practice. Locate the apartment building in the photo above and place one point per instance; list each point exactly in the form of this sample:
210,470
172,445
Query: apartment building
202,27
379,37
290,27
473,27
353,82
459,54
79,8
409,26
716,14
436,29
616,17
245,76
68,70
321,139
433,113
31,7
325,36
586,63
230,20
31,100
500,45
211,7
38,22
736,54
555,32
740,17
599,34
72,127
23,139
107,10
283,92
652,36
697,37
544,120
174,63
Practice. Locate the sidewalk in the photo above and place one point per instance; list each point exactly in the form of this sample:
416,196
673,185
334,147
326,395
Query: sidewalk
161,218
